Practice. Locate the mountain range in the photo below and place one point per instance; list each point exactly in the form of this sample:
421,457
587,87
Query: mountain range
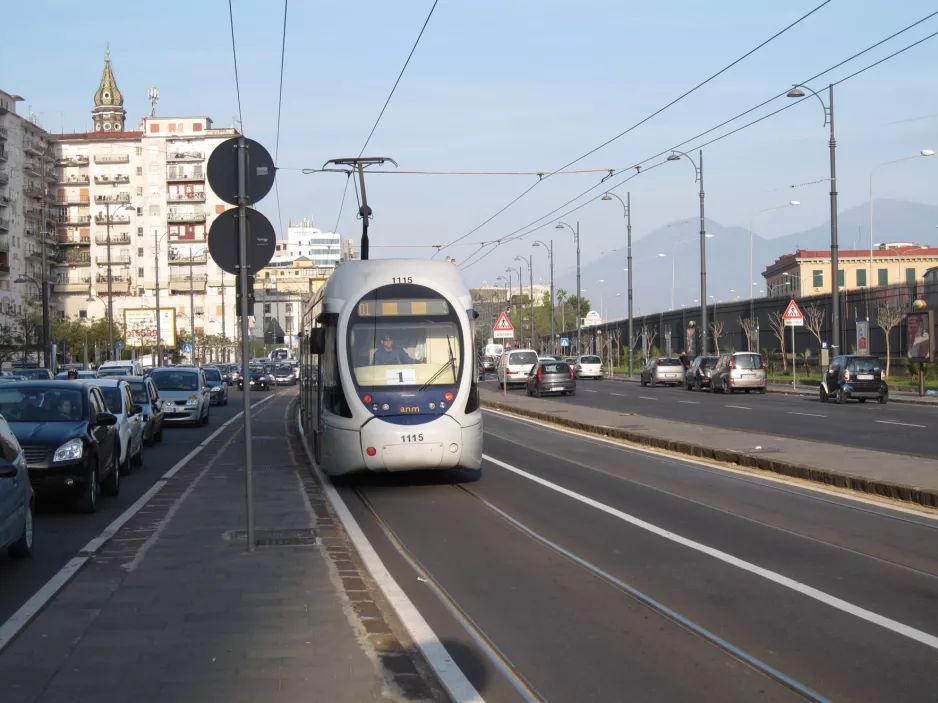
728,257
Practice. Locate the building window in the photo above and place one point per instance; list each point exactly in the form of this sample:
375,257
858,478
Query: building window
139,251
861,278
910,275
841,278
139,190
82,313
140,291
139,170
289,307
266,308
139,151
817,278
139,231
155,210
882,277
154,127
139,212
140,272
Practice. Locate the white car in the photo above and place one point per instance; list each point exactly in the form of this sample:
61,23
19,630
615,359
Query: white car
130,422
589,366
515,364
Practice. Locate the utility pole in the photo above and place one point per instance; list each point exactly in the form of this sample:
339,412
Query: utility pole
703,266
159,336
44,279
245,331
579,306
531,295
110,294
358,165
835,247
191,306
224,337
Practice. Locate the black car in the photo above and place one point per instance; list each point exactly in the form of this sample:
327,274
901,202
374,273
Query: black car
283,375
854,376
258,378
217,387
68,437
697,376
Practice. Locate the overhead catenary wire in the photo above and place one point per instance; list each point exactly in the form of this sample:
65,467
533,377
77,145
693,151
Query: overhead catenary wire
283,53
651,116
234,53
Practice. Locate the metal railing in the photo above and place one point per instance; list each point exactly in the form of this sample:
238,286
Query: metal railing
185,277
4,133
72,161
73,200
4,176
116,238
77,180
33,169
185,156
4,156
173,175
116,259
178,257
191,197
114,219
4,243
4,223
82,260
112,158
31,146
78,220
119,178
187,217
84,239
196,237
119,198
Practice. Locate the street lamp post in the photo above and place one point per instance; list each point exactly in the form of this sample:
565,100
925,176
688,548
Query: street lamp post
520,304
550,258
797,92
159,335
923,152
529,262
698,176
752,305
627,214
576,236
110,294
674,256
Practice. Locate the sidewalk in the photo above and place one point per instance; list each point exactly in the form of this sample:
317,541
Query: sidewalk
174,609
896,476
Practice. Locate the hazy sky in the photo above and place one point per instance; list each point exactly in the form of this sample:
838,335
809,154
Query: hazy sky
512,85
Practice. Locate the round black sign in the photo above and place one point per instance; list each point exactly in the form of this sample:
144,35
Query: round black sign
222,171
223,241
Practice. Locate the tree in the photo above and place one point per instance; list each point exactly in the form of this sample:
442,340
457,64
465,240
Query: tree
887,317
749,326
10,343
716,331
814,321
777,322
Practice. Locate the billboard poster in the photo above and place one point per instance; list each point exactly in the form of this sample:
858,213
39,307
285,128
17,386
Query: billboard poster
920,340
863,337
690,342
140,327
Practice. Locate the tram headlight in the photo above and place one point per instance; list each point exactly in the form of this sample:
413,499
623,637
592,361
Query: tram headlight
432,406
448,396
385,407
453,448
366,399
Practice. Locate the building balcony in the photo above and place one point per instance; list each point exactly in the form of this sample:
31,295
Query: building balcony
4,157
4,134
51,177
32,169
4,267
73,200
68,240
185,198
112,158
76,258
116,238
78,221
33,147
4,225
4,200
72,161
196,238
179,177
4,177
34,213
118,198
183,283
4,243
184,156
32,252
114,220
112,179
33,191
185,217
73,180
72,284
116,259
120,283
180,257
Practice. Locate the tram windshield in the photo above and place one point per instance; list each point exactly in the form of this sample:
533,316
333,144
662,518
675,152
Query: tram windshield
404,335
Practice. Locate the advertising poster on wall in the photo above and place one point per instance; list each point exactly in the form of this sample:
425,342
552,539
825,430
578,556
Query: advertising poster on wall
920,339
690,342
140,327
863,337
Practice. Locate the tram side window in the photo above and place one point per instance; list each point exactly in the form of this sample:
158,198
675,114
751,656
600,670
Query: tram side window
333,397
472,401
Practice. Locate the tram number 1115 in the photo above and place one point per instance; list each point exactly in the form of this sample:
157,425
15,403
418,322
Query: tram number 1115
411,437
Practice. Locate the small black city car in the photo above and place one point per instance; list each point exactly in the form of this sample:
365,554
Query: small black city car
68,437
257,378
698,374
549,376
853,376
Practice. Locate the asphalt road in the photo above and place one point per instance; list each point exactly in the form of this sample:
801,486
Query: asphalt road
60,533
895,427
601,573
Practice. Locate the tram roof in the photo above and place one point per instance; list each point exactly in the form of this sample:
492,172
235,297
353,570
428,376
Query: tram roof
351,279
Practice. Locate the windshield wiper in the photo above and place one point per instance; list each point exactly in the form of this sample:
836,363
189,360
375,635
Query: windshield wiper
449,364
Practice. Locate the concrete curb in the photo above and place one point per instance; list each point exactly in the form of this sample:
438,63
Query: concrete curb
912,494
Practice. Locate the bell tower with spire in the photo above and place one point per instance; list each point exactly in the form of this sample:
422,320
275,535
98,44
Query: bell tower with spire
108,113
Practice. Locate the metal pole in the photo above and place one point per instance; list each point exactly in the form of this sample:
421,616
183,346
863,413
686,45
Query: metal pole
578,293
531,294
110,299
245,333
159,335
44,293
628,215
835,277
703,265
553,341
365,212
752,302
224,337
191,308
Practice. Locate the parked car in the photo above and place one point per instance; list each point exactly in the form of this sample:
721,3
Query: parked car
489,363
218,390
68,437
854,376
34,374
283,375
551,376
551,357
697,376
666,370
589,366
515,365
17,500
257,378
120,403
739,371
225,370
184,393
145,395
120,368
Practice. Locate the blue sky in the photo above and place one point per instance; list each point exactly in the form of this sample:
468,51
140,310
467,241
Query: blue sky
520,86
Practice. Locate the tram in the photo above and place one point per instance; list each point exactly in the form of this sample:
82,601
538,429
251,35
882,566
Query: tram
389,379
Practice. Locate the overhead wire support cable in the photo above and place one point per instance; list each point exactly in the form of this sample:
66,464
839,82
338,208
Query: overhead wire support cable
234,53
283,53
651,116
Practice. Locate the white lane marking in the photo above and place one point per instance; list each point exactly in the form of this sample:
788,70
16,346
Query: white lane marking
746,476
904,424
618,394
587,390
26,612
690,402
645,397
806,414
774,577
449,673
737,407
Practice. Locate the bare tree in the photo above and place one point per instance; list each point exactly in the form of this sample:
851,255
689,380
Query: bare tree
777,323
749,327
887,317
617,340
814,321
716,331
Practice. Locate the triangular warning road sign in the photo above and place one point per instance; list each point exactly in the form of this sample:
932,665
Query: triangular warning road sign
793,312
503,324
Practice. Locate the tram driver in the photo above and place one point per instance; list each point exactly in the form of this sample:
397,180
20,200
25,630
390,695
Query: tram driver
388,353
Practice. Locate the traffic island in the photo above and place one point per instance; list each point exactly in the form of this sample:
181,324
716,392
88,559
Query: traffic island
899,477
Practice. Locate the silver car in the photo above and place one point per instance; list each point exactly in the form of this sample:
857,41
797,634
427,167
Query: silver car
739,371
665,370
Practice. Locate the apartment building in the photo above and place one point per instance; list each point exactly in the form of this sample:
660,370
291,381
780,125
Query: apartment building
27,215
136,211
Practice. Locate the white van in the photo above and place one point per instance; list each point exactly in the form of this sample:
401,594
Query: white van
516,364
120,368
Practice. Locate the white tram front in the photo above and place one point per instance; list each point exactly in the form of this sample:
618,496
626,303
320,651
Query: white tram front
396,383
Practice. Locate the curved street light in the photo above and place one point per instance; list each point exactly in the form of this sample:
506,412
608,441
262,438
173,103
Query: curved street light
529,261
550,259
627,214
576,237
